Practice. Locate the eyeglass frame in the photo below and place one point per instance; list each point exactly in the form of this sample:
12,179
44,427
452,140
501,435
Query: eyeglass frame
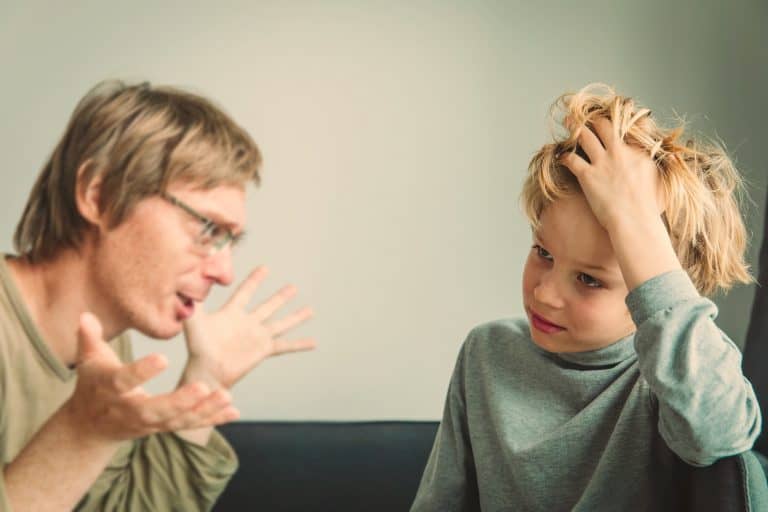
209,226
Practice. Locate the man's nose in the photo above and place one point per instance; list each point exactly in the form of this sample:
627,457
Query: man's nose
218,266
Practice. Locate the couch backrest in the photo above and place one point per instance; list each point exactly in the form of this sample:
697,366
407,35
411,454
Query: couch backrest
756,344
317,466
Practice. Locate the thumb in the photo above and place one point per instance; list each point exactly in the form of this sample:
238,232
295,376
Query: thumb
90,337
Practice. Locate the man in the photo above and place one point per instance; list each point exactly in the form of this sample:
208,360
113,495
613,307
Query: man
129,225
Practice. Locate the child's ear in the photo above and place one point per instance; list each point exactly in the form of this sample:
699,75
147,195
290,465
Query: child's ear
88,193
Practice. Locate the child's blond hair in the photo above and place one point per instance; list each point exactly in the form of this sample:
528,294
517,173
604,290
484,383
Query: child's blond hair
699,180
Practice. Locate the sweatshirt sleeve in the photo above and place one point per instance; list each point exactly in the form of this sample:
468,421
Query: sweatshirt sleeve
449,482
163,472
707,408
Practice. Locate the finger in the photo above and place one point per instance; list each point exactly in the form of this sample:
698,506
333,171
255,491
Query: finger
90,340
138,372
288,346
591,144
247,288
224,416
606,130
203,413
268,308
577,165
89,336
193,421
286,324
159,409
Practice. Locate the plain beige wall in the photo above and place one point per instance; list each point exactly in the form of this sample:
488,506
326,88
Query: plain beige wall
395,135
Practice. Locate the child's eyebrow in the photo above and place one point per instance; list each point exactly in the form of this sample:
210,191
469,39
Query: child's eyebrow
590,266
580,264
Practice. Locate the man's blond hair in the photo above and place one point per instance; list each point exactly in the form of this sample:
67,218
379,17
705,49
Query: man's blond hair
137,139
699,180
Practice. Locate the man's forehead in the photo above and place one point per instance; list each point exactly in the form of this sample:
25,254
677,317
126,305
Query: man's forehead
224,204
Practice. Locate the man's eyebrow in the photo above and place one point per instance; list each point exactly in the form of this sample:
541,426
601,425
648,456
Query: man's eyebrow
232,226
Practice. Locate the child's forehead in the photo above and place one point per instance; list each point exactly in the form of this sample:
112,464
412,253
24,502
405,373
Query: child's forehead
568,226
569,212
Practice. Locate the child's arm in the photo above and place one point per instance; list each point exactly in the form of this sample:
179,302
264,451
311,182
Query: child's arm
449,482
707,409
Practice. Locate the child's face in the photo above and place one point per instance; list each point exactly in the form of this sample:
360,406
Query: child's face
573,290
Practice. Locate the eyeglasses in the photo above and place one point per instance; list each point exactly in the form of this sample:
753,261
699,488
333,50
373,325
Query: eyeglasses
213,237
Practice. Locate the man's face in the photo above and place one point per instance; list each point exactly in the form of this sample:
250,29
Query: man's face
573,290
150,271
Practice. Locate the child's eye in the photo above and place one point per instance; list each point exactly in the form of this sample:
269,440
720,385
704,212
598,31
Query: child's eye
589,281
542,252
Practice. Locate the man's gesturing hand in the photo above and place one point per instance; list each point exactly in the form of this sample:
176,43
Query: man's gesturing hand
226,345
109,403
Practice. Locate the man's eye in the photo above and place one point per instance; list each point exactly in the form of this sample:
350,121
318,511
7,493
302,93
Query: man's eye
542,252
589,281
210,231
217,232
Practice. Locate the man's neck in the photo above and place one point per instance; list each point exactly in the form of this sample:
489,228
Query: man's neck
56,292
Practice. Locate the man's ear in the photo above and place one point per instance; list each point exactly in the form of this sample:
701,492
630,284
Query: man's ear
88,193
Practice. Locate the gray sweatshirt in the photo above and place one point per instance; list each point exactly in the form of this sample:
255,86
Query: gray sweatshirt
528,430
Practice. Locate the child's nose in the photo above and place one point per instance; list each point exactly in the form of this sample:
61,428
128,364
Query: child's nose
546,291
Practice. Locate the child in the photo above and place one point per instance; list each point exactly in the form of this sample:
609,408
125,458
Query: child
619,359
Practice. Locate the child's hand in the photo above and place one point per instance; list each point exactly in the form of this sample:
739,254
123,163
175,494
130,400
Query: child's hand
621,183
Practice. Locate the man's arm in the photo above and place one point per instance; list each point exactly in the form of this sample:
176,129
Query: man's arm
60,463
163,472
57,467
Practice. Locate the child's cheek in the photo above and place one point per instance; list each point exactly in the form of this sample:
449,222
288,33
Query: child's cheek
530,274
587,313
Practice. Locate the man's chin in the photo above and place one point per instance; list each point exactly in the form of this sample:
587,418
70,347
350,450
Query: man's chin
164,332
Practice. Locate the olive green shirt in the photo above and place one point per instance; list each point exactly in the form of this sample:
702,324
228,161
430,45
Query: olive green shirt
160,472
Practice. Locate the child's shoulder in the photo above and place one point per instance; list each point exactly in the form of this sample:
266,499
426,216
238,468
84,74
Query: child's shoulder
501,345
501,334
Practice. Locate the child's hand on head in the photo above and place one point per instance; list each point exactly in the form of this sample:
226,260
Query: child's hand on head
620,182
